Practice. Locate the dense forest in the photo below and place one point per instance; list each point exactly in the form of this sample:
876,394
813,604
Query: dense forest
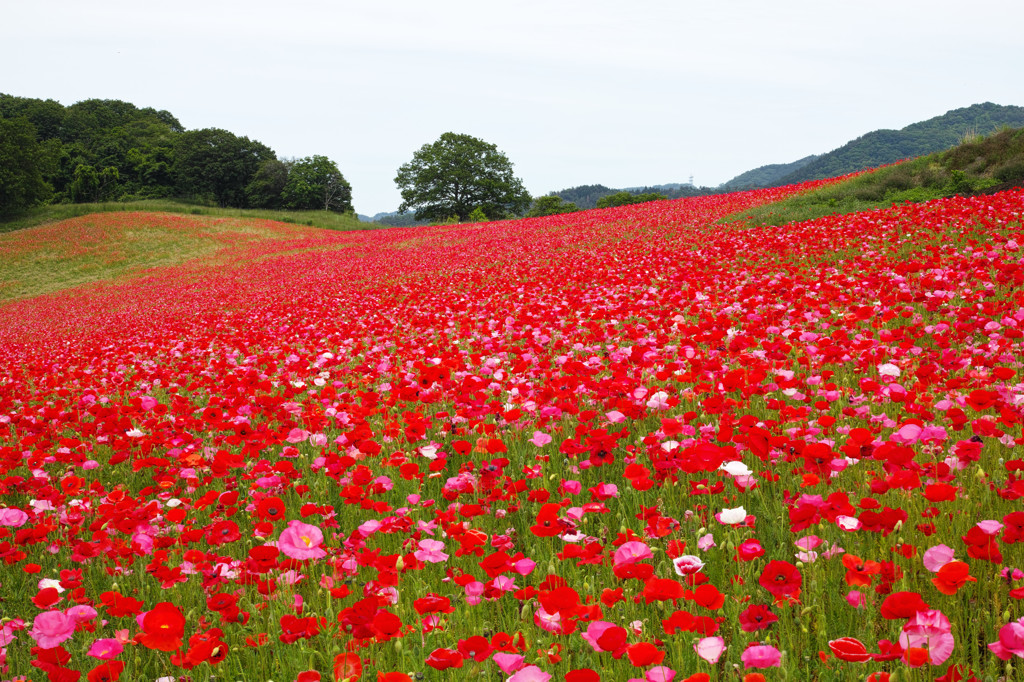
109,150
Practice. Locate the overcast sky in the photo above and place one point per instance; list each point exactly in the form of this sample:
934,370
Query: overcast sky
573,92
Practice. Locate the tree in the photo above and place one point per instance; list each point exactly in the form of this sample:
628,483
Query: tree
550,205
316,183
218,164
457,174
90,184
24,164
264,190
627,198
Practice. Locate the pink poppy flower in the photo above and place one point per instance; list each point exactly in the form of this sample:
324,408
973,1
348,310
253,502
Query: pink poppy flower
430,552
659,673
936,557
524,566
530,673
12,518
710,649
540,439
105,649
1010,642
632,552
82,613
50,628
687,564
301,541
761,656
509,663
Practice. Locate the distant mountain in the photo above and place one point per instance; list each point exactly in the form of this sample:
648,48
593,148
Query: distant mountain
765,176
393,219
917,139
586,196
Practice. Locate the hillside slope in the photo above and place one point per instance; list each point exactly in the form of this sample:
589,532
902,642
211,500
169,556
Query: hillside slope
766,176
880,147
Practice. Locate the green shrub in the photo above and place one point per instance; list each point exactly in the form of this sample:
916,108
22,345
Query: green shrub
959,182
1012,172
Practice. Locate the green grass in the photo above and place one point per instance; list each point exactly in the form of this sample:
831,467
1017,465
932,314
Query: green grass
42,215
112,246
976,166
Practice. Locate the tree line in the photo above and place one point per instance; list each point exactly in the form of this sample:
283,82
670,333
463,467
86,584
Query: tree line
109,150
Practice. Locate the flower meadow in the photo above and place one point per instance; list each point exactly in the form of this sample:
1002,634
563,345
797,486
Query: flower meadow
627,444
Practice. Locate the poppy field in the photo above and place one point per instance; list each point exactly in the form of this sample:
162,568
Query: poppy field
623,444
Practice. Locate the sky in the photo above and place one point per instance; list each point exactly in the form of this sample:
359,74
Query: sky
573,92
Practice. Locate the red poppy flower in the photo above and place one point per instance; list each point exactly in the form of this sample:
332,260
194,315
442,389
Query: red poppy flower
547,524
858,571
432,603
980,545
849,649
119,605
756,617
902,605
782,579
662,589
644,654
221,601
709,597
952,576
393,677
270,509
1013,532
348,667
442,659
162,628
106,672
475,648
222,533
610,597
612,639
46,597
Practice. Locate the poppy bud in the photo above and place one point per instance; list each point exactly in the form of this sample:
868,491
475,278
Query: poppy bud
398,645
399,563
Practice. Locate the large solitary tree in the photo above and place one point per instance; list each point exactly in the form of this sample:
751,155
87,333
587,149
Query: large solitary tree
457,174
316,183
